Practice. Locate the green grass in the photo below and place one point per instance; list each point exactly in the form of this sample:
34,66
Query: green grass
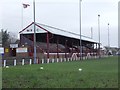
101,73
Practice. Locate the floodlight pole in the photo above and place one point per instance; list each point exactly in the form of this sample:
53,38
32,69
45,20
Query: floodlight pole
47,45
108,36
99,33
34,33
57,48
80,31
66,49
91,33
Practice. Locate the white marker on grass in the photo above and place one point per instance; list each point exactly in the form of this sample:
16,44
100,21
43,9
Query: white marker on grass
80,69
41,68
7,66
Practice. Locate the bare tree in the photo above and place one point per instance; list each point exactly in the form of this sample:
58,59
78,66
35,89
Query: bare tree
5,37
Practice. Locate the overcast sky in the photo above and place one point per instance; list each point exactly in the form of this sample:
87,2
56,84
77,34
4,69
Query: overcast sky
64,14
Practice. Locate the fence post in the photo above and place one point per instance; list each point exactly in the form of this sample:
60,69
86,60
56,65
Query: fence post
48,60
68,59
37,60
74,58
15,62
42,61
61,59
23,62
65,59
83,58
4,63
95,56
57,59
30,61
53,60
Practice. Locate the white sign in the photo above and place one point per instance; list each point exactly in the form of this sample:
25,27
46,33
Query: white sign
21,50
13,45
1,50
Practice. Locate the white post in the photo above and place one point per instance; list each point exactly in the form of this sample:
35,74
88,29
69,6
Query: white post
74,58
57,59
48,60
22,61
77,58
61,59
65,59
53,60
68,59
4,63
37,60
30,61
15,62
42,61
83,58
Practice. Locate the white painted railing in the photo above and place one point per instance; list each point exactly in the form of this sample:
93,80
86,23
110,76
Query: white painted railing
43,61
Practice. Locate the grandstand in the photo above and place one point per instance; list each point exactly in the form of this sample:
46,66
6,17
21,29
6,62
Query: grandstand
54,41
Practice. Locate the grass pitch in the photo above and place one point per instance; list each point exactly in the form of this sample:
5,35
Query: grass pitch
97,73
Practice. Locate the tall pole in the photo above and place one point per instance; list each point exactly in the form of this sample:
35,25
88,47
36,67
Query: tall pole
99,33
57,48
22,18
47,45
108,36
34,32
91,32
66,49
80,31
